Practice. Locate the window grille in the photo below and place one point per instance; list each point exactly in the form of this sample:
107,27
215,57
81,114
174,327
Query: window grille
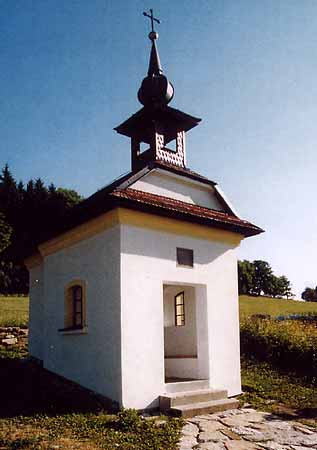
185,257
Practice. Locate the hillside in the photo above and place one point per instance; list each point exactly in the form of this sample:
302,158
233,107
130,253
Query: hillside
274,307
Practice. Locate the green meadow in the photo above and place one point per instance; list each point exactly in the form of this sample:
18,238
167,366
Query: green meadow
274,307
14,311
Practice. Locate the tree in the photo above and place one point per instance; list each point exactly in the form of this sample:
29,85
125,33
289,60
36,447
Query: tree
285,287
281,287
257,277
52,189
245,277
263,278
14,278
310,294
5,233
40,192
69,196
29,214
8,194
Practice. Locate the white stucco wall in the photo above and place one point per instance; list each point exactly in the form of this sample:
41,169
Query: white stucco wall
171,185
122,354
181,340
181,368
92,359
36,312
148,261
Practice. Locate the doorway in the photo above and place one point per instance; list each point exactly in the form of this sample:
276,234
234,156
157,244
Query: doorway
185,333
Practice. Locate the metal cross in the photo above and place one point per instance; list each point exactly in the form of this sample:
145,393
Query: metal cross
153,19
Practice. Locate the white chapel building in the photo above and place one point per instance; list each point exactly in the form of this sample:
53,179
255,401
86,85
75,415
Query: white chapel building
136,296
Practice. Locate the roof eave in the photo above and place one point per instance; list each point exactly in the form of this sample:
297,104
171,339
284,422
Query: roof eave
130,125
246,231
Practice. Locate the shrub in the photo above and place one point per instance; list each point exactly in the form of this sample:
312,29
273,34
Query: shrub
129,420
261,316
289,344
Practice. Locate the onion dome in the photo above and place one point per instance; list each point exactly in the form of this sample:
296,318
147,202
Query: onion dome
155,90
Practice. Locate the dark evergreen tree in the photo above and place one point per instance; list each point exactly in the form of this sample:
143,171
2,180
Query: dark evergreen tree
8,195
5,233
30,213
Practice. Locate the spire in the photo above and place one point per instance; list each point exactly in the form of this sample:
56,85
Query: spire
155,67
155,90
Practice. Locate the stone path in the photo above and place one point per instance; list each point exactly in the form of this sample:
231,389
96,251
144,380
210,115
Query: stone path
246,429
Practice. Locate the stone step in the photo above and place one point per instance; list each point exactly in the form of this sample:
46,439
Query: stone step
167,401
185,386
196,409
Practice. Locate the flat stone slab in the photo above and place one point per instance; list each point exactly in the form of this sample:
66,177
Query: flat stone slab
240,445
296,447
214,436
187,442
230,434
302,428
246,429
212,425
190,429
273,446
9,341
211,446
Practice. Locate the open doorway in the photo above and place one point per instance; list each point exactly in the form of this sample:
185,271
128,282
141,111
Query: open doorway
185,333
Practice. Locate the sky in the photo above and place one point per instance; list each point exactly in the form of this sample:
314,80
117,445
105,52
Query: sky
70,72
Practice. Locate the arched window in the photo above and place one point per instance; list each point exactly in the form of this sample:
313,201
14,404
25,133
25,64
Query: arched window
77,299
75,305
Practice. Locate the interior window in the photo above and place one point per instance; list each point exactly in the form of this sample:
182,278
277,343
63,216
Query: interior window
179,309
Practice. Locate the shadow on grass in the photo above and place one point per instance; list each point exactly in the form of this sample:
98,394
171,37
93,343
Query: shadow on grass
289,414
273,389
28,389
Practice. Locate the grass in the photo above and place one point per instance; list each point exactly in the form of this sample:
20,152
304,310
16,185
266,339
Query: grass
14,311
269,389
87,432
272,350
274,307
40,411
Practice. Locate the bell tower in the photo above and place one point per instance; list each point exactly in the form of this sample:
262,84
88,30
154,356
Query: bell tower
154,127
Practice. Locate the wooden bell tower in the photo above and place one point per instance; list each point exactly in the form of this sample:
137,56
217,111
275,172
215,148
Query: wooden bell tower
156,126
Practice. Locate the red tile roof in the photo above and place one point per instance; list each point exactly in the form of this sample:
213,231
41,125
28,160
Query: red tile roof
194,213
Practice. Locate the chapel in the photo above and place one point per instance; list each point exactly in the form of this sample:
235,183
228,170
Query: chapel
135,296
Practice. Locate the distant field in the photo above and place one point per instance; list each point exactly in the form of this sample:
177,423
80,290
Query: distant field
14,311
274,307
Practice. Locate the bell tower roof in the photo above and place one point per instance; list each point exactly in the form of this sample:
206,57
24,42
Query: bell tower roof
172,119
